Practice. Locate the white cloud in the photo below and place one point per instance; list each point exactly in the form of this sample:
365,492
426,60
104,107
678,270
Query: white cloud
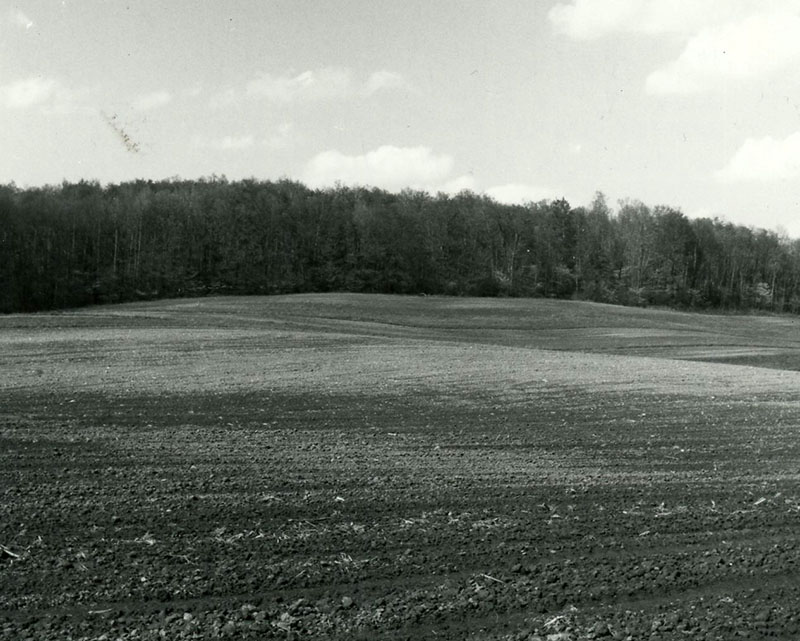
18,18
419,168
456,185
755,45
322,84
225,143
45,95
764,160
519,194
590,19
327,83
587,19
281,138
380,80
388,167
724,39
30,92
236,142
152,100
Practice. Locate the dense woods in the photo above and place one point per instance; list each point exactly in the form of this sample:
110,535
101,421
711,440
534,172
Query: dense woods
76,244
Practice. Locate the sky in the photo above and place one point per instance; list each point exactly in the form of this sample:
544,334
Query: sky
694,104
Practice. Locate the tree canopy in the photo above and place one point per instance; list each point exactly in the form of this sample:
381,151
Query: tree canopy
77,244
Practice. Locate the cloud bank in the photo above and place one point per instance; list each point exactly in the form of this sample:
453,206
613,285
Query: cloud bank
764,160
723,39
519,194
738,50
45,95
17,18
326,83
419,168
30,92
150,101
383,80
387,167
225,143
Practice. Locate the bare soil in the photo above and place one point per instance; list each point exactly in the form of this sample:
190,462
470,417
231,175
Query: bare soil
376,467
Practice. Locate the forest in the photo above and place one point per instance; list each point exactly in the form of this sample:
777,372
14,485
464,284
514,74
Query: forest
83,243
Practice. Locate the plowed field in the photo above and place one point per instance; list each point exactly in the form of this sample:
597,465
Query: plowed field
376,467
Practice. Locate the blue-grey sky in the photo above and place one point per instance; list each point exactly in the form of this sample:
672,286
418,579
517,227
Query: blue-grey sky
688,103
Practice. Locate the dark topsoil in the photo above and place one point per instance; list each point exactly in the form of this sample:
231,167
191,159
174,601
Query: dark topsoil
572,512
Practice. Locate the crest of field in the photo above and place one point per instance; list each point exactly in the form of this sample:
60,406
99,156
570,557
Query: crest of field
375,344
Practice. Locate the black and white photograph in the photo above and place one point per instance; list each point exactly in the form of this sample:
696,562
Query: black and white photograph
381,320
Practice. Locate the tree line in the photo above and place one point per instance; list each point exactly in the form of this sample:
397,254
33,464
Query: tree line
83,243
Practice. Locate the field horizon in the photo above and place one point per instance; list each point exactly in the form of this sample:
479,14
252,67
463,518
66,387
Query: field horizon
378,466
